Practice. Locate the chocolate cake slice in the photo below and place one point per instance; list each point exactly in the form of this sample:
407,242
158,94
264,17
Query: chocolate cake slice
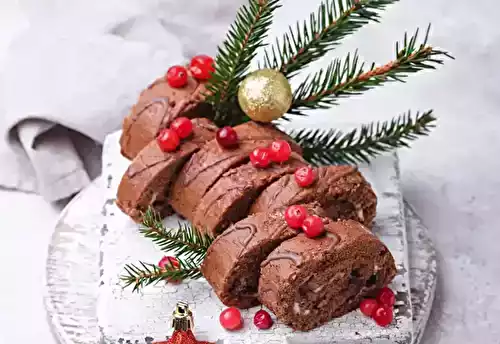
208,164
230,198
157,106
342,191
150,174
232,263
307,282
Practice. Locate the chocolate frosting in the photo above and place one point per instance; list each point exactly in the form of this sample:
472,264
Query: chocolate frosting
294,257
212,161
157,106
147,180
232,263
341,190
230,198
306,282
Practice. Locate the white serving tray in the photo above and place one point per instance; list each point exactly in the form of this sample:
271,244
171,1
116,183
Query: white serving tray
122,314
74,269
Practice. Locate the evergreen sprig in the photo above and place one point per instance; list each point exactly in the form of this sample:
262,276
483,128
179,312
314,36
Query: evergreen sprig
235,54
343,78
323,147
185,241
309,41
144,274
187,244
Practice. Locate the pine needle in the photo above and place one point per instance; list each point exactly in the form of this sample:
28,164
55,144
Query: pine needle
185,241
349,77
245,36
310,40
144,274
327,147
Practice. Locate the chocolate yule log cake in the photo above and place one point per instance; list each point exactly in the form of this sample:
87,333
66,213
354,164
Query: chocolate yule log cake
230,198
342,191
307,282
232,263
157,106
267,225
146,181
208,164
287,235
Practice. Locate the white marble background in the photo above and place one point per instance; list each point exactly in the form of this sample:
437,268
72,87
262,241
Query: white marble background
451,177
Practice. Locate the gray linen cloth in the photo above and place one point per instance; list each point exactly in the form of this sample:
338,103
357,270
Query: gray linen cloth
71,77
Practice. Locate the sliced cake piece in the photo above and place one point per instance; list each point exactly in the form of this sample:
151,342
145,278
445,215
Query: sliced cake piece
208,164
150,174
232,263
230,198
157,106
342,191
307,282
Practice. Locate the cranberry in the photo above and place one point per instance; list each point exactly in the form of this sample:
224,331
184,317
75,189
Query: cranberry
280,151
295,216
383,316
227,137
202,67
168,140
313,226
182,126
261,157
368,306
386,297
305,176
169,263
262,320
230,319
177,76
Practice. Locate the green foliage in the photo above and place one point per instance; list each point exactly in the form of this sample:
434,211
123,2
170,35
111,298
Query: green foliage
326,147
185,241
343,78
311,40
187,244
144,274
244,38
302,44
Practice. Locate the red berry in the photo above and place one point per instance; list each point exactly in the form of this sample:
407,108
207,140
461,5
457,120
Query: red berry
230,319
261,157
182,126
227,137
280,151
313,226
262,320
305,176
169,263
168,140
386,297
202,67
177,76
295,216
368,306
383,316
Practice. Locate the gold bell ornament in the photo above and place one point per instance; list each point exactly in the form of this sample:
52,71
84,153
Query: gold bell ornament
265,95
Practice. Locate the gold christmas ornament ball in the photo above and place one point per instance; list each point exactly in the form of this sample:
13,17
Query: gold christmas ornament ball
265,95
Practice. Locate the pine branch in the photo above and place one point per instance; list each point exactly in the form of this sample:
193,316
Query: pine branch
311,40
349,77
185,241
235,54
324,147
145,274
